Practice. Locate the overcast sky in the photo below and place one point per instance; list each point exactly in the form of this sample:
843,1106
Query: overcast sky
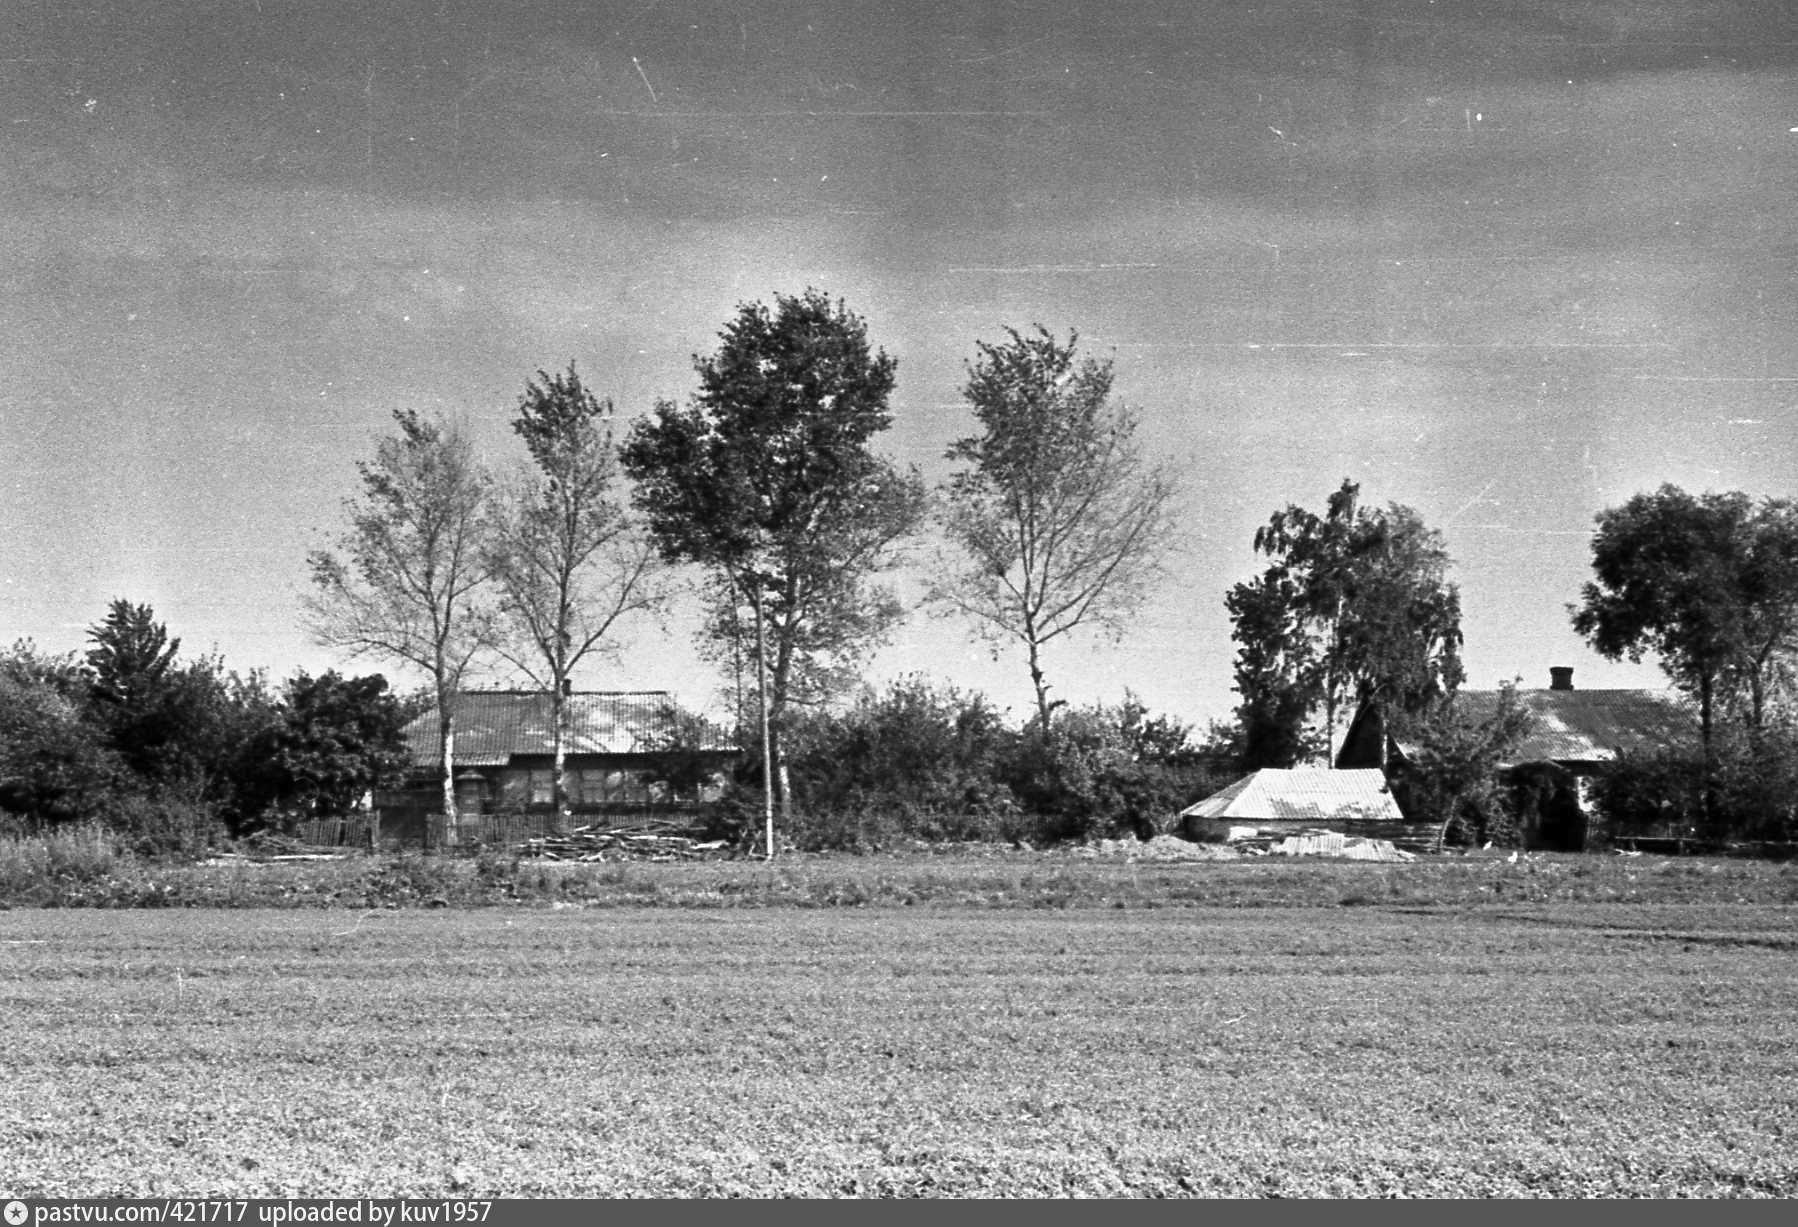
1506,263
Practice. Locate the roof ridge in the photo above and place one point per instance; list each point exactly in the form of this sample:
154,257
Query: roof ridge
538,692
1663,690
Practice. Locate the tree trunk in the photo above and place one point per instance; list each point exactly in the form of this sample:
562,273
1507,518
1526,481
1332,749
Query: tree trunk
782,782
1042,689
446,730
761,686
558,795
779,681
1757,699
1708,801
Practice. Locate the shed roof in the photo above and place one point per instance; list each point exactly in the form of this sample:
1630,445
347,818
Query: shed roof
1315,794
1591,726
494,725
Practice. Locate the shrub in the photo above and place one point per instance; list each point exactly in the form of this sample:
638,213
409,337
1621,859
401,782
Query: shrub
868,828
1108,772
915,761
1752,792
162,826
1453,779
927,763
54,763
1758,787
1650,794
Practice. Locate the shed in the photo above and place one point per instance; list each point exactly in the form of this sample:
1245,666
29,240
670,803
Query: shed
1283,801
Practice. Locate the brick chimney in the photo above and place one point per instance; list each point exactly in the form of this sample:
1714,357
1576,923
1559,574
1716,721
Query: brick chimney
1560,677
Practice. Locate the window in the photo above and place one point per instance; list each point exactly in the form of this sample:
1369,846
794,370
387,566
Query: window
527,786
589,785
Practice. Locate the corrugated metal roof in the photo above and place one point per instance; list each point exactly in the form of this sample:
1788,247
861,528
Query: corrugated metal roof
1304,794
494,725
1591,726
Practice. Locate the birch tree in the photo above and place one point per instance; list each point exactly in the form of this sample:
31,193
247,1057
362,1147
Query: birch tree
568,558
1355,608
1062,520
407,580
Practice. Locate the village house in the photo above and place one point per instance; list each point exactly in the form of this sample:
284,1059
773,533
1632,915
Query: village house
1573,734
627,754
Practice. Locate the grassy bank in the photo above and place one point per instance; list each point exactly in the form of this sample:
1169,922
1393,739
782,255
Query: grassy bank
82,869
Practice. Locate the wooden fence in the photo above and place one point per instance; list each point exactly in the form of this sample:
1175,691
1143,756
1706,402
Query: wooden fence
361,832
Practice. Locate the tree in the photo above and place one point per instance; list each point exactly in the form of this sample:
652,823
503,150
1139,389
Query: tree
767,480
1355,609
337,738
568,559
131,656
179,728
1452,778
1276,671
1709,584
216,717
406,580
1063,522
55,765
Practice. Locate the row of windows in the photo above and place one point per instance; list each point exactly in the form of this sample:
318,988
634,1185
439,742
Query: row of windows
585,786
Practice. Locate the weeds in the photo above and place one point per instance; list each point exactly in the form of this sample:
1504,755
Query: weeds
86,867
32,865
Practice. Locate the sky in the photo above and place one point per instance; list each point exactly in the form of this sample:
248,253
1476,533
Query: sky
1507,264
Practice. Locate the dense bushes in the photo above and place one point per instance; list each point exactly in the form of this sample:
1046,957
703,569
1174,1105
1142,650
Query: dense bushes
922,762
1751,792
931,754
172,756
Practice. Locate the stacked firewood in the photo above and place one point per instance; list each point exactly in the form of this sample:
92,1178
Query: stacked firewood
647,842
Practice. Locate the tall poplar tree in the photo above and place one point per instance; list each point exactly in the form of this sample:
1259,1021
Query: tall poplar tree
568,558
407,579
1060,517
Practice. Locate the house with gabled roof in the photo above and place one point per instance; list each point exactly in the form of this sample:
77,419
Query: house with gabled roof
625,753
1572,735
1581,730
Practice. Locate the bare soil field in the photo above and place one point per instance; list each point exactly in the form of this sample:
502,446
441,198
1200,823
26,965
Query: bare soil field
1504,1048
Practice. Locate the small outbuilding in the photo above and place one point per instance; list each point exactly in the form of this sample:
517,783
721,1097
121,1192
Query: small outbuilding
1275,802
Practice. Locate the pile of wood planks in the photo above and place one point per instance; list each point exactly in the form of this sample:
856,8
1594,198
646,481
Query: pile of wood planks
646,842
